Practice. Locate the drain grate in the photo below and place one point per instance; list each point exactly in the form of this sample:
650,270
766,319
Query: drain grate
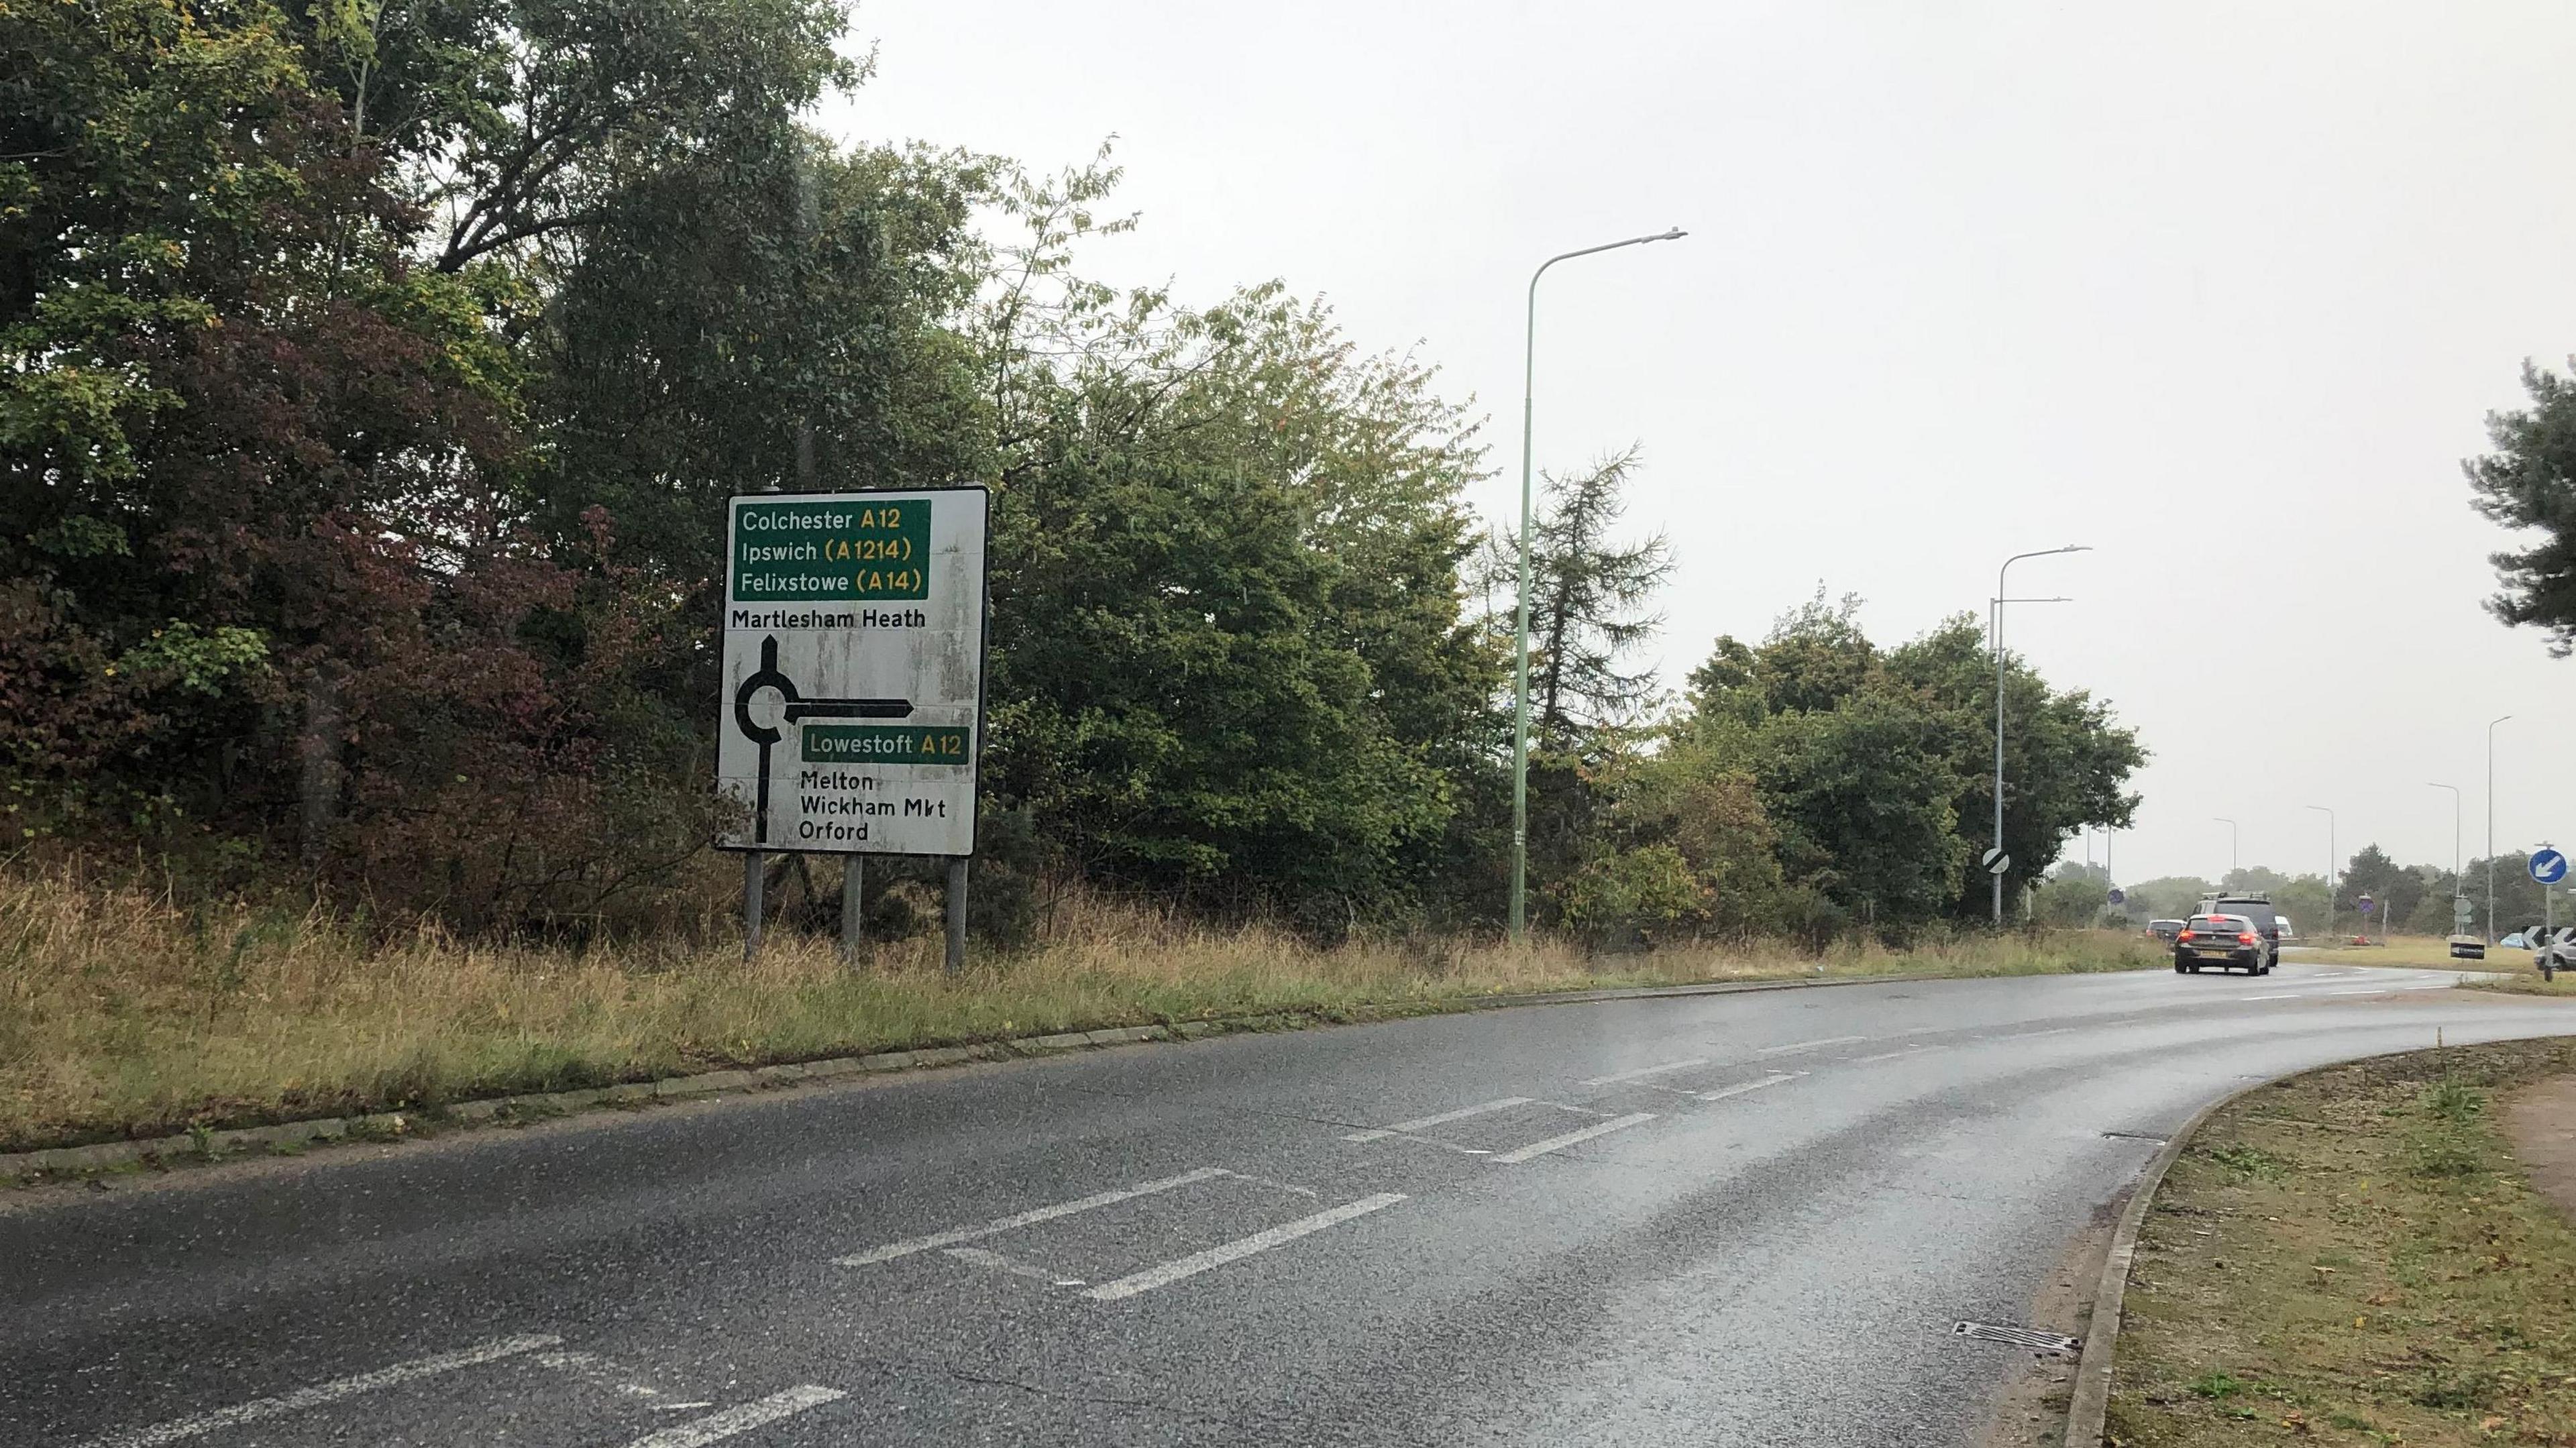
2018,1337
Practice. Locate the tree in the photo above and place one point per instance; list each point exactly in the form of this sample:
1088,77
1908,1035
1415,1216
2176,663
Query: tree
2077,895
1862,795
2528,483
2396,891
2066,762
2169,897
1229,654
1588,605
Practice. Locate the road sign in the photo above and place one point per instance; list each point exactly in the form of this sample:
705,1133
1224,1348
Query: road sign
854,671
2365,904
2548,867
2462,912
2119,897
1996,861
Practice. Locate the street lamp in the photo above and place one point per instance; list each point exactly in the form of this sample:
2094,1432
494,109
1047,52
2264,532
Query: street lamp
1521,629
2332,859
1995,614
2231,845
2455,844
2491,724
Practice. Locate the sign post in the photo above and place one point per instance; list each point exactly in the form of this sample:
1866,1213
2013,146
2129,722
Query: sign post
852,713
2548,867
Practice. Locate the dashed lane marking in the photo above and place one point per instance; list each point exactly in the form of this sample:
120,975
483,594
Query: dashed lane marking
1238,1249
1891,1055
1443,1119
1644,1071
1029,1218
261,1409
1558,1143
1808,1045
716,1427
1739,1089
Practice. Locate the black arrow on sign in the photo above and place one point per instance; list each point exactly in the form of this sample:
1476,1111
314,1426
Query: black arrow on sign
798,710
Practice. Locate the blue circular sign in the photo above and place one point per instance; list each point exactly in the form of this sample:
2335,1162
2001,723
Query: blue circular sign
2119,897
2548,866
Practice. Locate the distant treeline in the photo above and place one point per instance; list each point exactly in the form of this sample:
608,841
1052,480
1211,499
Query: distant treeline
376,375
2417,897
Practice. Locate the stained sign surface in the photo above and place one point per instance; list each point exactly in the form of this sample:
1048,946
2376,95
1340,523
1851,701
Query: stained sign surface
853,671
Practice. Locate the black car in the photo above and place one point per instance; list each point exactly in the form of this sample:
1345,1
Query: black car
2164,929
2253,905
2229,942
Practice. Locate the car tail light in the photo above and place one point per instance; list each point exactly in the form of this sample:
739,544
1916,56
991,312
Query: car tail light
2186,935
2245,939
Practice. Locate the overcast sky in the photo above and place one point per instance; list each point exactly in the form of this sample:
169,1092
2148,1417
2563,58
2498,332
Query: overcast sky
2223,290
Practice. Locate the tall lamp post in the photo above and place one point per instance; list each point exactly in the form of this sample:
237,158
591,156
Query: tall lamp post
1521,628
2332,860
2231,845
2455,844
1995,627
2490,931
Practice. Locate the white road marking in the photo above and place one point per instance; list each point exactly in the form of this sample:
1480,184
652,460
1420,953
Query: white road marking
2287,995
1028,1218
1012,1265
261,1409
1808,1045
1723,1092
1559,1143
1238,1249
1646,1071
1891,1055
1443,1119
716,1427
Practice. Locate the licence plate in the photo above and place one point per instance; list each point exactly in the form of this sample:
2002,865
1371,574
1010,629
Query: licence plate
2212,952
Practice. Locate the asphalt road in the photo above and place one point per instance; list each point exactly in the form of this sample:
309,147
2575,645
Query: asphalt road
1744,1219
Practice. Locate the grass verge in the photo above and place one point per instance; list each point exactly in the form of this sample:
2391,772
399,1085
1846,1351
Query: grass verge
123,1016
2354,1256
2429,952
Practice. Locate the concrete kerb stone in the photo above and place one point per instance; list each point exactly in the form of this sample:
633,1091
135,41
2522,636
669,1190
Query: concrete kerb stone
169,1150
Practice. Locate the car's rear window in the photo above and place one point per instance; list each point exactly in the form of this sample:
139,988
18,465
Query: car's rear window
2221,924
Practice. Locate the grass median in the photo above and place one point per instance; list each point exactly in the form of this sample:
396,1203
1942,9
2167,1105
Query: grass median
121,1015
2355,1256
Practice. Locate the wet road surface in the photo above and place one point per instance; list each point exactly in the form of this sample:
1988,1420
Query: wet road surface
1735,1219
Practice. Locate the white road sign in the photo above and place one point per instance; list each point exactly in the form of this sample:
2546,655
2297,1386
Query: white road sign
1996,861
854,671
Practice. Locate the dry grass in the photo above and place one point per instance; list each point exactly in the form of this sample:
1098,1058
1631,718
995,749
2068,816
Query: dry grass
122,1015
2527,981
2353,1256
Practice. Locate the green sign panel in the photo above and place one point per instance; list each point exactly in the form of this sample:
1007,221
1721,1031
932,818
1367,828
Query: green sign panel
885,744
859,550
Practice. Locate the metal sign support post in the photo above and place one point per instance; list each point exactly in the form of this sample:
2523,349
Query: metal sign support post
854,878
956,960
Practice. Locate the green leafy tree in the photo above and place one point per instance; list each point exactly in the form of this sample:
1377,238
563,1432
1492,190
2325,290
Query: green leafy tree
2169,897
2066,762
2076,895
2529,484
1229,653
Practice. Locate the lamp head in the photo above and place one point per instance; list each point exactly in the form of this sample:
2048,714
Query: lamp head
1674,234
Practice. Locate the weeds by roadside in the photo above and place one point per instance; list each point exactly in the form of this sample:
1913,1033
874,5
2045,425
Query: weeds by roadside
121,1015
2354,1256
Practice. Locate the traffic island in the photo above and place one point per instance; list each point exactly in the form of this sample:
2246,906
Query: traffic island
2362,1255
